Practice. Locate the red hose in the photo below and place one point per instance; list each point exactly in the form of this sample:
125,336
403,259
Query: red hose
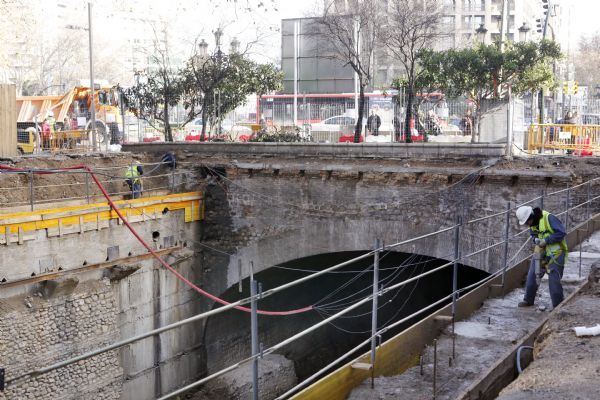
163,262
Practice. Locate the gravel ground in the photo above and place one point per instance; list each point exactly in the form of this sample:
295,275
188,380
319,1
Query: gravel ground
565,366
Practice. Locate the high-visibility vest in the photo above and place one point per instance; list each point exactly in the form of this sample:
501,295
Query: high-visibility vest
543,230
52,124
133,174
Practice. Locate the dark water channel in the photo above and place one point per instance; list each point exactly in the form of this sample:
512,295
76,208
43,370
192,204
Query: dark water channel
227,336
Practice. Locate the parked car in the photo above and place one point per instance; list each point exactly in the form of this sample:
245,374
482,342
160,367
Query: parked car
338,123
227,127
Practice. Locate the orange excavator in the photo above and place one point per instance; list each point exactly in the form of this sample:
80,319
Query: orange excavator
70,116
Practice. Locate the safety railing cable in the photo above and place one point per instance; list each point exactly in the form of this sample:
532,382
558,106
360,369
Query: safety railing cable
227,306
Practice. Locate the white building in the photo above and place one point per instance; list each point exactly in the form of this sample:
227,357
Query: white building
462,21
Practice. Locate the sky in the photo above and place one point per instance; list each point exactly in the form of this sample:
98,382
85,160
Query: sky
584,18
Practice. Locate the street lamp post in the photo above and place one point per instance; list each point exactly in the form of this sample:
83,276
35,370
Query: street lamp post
91,55
547,5
523,32
203,46
481,32
235,46
92,93
218,35
139,105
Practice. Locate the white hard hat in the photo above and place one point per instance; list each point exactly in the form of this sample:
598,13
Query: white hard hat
50,114
523,214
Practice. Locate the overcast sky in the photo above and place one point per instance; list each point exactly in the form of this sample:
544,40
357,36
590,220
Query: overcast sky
585,15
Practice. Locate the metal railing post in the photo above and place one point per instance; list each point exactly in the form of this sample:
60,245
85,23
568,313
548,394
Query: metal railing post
173,180
455,281
506,233
588,208
374,312
542,150
31,198
132,182
254,337
580,246
542,199
240,275
568,201
434,367
87,187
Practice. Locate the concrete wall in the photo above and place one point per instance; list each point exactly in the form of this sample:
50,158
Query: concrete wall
494,124
345,211
333,150
272,212
89,310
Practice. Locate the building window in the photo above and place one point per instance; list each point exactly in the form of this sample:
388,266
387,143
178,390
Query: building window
467,22
473,5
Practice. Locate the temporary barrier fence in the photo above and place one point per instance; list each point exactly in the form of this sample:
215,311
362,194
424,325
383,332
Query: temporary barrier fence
580,140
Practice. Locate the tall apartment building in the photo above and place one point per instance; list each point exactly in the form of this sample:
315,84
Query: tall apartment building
466,16
317,72
463,17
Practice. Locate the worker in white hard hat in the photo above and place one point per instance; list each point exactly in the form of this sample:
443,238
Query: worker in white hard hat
548,233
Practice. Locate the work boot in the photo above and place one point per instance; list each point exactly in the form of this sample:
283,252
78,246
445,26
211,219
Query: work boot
524,304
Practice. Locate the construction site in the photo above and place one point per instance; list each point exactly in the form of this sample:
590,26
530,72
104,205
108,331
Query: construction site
359,203
283,274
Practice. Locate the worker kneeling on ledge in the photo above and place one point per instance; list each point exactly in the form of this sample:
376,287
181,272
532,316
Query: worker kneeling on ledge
133,180
550,255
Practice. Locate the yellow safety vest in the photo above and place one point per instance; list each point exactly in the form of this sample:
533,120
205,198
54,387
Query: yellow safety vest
133,174
543,230
52,124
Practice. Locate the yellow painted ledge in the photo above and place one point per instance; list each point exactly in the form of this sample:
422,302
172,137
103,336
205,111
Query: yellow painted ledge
96,216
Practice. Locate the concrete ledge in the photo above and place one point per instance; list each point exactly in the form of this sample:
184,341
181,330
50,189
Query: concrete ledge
335,150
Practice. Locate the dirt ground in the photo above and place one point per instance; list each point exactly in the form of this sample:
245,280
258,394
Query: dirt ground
565,366
15,191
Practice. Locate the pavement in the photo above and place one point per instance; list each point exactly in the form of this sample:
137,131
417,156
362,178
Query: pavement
490,335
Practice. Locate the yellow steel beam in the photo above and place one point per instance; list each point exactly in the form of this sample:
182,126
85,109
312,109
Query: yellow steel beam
192,203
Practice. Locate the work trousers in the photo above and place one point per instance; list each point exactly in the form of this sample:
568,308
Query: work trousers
555,271
136,188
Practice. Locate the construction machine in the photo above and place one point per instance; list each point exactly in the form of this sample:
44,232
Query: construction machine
72,116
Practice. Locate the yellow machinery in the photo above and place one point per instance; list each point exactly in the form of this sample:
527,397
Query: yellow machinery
72,116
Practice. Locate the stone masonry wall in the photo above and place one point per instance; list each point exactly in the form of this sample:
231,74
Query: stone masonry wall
275,211
37,332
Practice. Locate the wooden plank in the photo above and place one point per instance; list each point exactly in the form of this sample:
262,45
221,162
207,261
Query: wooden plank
363,366
8,121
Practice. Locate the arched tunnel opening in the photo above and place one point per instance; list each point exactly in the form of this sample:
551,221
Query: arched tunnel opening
227,335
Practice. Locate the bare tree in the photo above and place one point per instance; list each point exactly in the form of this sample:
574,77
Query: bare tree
411,26
353,37
587,59
152,99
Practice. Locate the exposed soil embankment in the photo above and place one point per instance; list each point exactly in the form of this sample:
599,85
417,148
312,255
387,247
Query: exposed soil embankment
16,189
565,366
